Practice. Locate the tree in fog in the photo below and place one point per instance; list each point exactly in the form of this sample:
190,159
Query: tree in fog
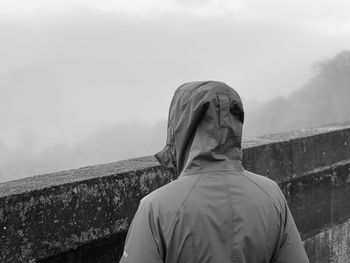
323,100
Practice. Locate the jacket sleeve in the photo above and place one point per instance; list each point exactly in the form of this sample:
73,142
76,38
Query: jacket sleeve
290,247
142,243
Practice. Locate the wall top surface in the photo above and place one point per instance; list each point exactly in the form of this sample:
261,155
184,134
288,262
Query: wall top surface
120,168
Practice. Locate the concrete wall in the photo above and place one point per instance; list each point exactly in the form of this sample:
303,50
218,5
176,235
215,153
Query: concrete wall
82,215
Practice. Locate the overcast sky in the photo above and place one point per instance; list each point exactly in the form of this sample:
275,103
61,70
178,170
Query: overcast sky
68,68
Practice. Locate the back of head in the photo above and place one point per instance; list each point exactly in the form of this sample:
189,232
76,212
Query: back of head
216,211
204,125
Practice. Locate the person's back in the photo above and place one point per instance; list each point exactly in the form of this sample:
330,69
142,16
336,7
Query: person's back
215,211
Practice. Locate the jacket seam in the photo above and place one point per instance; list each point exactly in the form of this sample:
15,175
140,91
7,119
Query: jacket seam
269,238
272,199
181,205
193,234
232,217
270,220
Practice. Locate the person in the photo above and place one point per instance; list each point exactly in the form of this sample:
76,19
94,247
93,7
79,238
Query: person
215,211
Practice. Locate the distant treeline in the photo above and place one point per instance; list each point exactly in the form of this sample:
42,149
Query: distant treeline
322,100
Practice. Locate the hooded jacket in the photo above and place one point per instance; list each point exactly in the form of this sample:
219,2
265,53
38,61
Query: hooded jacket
215,211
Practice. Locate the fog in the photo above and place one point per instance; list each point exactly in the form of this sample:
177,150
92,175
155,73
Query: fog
322,100
89,82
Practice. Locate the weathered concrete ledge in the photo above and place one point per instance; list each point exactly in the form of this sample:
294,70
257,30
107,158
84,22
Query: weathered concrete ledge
64,216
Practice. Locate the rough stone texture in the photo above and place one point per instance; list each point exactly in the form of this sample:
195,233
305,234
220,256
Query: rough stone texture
322,150
37,224
38,182
285,156
102,250
319,199
332,245
272,160
82,215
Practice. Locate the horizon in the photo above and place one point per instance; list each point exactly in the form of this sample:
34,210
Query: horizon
72,71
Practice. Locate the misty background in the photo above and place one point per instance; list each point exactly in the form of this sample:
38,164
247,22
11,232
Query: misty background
90,82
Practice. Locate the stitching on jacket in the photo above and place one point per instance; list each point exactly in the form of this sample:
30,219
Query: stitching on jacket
275,202
269,250
232,215
187,215
151,217
181,205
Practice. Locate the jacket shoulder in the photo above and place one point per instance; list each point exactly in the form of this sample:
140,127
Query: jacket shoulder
268,186
170,197
166,203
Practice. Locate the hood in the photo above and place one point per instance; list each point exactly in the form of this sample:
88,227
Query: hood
204,128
